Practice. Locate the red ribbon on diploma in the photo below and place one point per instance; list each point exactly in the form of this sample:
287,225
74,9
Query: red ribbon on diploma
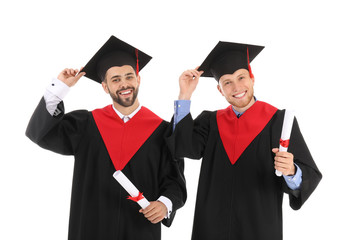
138,198
285,143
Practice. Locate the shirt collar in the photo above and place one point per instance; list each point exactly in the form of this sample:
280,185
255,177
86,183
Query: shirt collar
238,114
130,115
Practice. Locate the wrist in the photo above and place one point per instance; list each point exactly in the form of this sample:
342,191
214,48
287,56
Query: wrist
183,96
293,171
167,203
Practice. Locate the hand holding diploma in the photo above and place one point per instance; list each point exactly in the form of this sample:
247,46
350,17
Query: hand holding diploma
284,161
155,212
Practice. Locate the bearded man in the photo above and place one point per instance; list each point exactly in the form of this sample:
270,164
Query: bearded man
123,136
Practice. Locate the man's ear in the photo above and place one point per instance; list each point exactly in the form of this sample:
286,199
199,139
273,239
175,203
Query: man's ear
105,87
219,88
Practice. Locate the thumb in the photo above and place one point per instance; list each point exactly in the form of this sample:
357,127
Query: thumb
275,150
79,75
197,69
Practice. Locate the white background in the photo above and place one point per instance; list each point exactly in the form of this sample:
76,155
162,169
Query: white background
310,63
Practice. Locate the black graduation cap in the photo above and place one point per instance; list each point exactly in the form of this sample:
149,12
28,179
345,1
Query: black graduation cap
114,53
227,57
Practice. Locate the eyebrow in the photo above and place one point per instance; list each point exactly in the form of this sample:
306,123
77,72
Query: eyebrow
229,79
127,74
240,74
224,80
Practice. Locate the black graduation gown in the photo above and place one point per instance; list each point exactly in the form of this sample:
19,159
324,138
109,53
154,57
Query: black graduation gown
241,200
99,205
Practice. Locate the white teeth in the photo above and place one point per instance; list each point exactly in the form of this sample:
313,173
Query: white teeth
240,95
127,92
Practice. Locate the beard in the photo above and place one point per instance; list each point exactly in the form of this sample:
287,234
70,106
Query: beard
127,102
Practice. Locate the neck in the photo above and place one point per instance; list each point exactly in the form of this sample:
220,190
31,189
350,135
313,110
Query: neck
243,109
126,110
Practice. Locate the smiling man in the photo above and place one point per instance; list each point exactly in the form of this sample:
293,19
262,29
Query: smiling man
239,196
123,136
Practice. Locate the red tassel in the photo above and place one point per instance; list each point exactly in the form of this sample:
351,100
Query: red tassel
250,72
137,62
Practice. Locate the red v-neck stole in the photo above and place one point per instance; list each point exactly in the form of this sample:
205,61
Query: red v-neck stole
123,140
237,133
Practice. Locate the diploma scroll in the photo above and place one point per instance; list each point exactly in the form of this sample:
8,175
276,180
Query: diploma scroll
285,134
135,194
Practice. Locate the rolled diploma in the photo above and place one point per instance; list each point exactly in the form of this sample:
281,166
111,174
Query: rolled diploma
285,133
130,188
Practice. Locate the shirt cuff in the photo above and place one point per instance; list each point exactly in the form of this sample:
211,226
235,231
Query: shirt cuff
295,181
168,205
181,109
58,88
54,94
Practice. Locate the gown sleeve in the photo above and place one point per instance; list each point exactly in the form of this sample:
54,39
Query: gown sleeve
311,175
60,133
172,184
190,136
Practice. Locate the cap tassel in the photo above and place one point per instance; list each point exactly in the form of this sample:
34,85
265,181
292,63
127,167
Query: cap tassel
137,61
250,72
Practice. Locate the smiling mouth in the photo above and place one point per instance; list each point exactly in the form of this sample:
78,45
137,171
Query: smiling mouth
125,92
240,95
